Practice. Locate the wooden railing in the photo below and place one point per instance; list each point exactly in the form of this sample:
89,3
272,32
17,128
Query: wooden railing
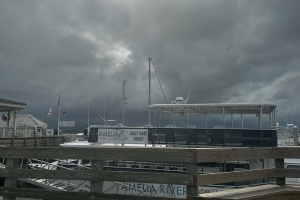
98,156
53,141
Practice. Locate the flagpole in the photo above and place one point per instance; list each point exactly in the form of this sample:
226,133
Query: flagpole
58,115
58,120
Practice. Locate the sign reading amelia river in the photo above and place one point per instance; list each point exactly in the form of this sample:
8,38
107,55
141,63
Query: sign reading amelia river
123,136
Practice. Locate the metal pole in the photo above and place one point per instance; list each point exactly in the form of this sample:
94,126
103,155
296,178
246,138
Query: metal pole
242,120
260,119
124,102
58,114
58,120
223,109
205,120
149,90
88,115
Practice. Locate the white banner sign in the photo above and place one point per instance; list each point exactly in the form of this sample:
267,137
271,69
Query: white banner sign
156,190
123,136
67,123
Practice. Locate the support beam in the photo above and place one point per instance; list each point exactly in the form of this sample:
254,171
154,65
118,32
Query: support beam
192,190
97,186
279,164
11,163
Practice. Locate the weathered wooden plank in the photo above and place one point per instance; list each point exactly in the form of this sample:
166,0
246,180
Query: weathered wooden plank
97,166
279,164
234,176
231,154
263,192
92,175
64,195
192,188
288,173
11,182
5,142
115,153
24,142
286,152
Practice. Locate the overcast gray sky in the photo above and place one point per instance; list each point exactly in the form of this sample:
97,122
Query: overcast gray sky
225,51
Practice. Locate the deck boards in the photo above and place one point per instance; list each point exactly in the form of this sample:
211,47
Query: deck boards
262,192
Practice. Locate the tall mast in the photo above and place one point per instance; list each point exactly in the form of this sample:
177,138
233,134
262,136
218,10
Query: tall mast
88,115
58,114
149,91
124,101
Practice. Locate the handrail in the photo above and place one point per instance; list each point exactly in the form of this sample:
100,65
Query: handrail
53,141
191,157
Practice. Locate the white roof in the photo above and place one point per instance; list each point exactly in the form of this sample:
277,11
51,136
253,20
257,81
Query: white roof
216,108
25,119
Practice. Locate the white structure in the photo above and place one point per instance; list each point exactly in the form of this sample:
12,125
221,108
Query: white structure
26,126
258,110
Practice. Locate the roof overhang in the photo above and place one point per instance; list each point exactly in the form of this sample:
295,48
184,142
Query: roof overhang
215,108
9,105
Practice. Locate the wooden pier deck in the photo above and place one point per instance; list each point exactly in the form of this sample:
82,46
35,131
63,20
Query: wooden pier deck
191,157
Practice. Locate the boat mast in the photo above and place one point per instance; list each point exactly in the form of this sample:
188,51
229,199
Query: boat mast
88,115
124,101
58,114
149,91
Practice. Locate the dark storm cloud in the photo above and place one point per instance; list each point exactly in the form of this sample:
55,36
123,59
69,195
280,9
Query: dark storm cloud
225,51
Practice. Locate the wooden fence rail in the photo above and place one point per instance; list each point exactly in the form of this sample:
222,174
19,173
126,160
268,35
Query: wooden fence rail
54,141
191,157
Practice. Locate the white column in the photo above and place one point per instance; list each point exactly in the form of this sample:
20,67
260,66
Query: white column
14,122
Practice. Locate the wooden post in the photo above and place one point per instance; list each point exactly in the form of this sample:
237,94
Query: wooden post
11,163
12,142
192,190
97,165
35,140
279,163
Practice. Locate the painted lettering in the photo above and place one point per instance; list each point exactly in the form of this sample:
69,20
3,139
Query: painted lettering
138,139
